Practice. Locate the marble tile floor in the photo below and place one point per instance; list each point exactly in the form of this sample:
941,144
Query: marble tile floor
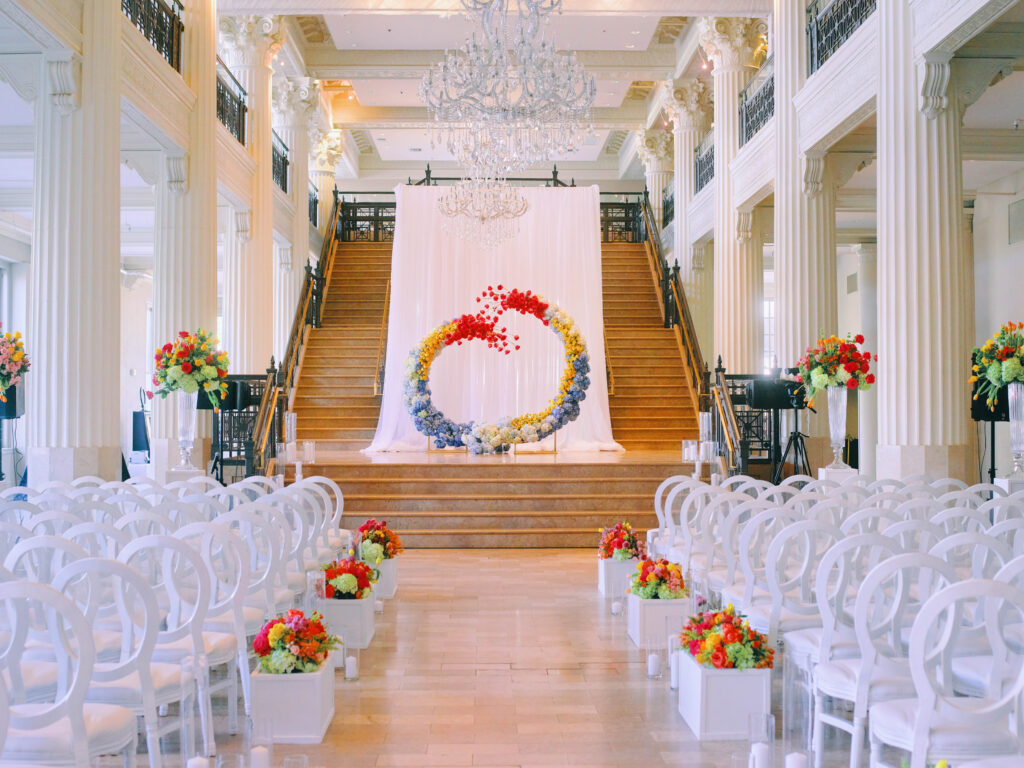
505,658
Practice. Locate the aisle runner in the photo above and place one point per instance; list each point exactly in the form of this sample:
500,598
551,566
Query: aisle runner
436,276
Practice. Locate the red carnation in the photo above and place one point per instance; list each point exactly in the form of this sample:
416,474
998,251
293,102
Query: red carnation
183,334
261,645
186,367
859,338
851,383
870,378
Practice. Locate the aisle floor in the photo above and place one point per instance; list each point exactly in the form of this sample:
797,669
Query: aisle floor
505,658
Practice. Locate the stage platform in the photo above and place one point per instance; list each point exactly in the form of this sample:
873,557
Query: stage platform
454,499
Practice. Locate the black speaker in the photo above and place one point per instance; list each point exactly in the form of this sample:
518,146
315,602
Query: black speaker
14,405
775,394
980,410
237,398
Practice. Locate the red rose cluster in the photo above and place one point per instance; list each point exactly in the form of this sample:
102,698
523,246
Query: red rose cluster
362,572
484,324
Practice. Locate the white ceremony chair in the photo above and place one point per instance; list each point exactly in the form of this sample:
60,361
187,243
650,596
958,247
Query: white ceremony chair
145,523
98,539
267,589
961,519
888,599
869,520
337,512
67,730
934,723
754,539
18,511
915,535
109,591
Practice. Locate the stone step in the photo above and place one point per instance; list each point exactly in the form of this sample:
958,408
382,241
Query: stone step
510,522
451,466
483,486
448,504
498,538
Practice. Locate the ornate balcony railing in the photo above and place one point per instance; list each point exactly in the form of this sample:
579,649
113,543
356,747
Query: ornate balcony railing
757,102
314,205
279,161
668,204
232,102
160,23
830,24
704,162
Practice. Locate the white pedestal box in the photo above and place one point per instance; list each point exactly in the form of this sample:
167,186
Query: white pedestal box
646,618
612,574
299,706
717,704
179,475
387,583
351,620
1008,485
839,476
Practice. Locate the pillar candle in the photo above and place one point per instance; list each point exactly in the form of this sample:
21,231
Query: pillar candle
259,757
351,666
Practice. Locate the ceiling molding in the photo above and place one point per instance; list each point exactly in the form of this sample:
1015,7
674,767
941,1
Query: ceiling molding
350,116
448,7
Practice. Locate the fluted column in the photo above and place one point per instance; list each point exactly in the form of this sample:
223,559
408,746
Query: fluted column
250,44
923,413
867,402
237,282
746,326
730,44
73,334
284,299
655,150
688,104
805,243
185,225
325,155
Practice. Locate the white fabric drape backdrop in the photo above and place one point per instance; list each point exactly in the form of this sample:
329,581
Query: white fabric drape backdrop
436,276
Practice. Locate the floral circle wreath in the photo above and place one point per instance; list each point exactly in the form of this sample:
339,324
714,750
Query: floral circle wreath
528,428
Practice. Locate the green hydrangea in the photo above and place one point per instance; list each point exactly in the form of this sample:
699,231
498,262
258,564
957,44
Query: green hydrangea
208,372
279,662
819,380
346,583
1012,370
371,553
994,373
742,656
622,554
647,593
664,593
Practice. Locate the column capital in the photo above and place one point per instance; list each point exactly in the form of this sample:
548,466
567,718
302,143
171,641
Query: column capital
655,151
176,174
730,42
251,40
688,103
284,257
327,150
294,101
744,225
63,75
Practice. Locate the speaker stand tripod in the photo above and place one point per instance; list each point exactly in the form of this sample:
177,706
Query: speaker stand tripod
798,447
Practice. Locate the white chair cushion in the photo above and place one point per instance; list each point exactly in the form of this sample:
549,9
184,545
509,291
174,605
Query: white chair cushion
806,644
282,596
220,647
893,723
39,678
127,691
253,617
971,675
839,678
109,729
758,615
1015,761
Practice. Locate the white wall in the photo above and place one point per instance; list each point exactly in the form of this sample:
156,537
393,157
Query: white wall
999,282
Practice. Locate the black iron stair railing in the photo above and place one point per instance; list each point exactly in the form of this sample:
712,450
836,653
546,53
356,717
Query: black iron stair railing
160,23
279,161
704,162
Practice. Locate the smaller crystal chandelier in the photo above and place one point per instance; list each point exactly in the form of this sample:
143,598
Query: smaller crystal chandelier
485,211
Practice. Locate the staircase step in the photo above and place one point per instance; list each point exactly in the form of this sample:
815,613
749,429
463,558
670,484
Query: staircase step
529,502
510,522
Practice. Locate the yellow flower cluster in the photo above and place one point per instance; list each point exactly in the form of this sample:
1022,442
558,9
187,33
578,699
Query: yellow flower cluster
574,348
432,346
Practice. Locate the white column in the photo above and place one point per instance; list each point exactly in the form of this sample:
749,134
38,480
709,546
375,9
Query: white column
748,291
237,283
185,246
655,150
688,104
867,402
730,44
284,298
923,413
805,244
326,154
73,334
250,44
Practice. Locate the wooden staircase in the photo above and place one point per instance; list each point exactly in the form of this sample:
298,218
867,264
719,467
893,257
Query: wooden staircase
652,407
334,398
451,500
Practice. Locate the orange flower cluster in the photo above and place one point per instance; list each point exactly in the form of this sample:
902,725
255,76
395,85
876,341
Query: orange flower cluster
377,532
724,640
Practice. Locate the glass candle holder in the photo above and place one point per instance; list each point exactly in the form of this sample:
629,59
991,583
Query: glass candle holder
654,657
290,426
315,589
761,740
351,664
309,451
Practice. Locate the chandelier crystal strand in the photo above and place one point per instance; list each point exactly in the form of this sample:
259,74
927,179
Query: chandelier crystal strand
485,211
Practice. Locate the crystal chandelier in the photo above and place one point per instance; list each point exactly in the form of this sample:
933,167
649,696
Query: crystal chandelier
485,211
507,100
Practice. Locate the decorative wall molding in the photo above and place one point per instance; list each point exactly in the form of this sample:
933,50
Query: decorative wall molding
242,221
841,94
814,173
688,103
177,174
934,83
251,40
235,169
64,73
744,225
700,214
753,168
943,26
21,72
53,25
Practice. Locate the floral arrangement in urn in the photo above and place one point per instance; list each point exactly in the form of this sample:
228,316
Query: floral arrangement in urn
348,579
378,542
293,643
191,363
724,640
998,362
620,542
13,361
658,579
835,362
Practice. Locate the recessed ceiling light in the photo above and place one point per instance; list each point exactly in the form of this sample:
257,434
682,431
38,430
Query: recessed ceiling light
415,149
630,45
382,138
635,32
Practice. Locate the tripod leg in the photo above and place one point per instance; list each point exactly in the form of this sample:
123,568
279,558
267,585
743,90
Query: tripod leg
791,445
